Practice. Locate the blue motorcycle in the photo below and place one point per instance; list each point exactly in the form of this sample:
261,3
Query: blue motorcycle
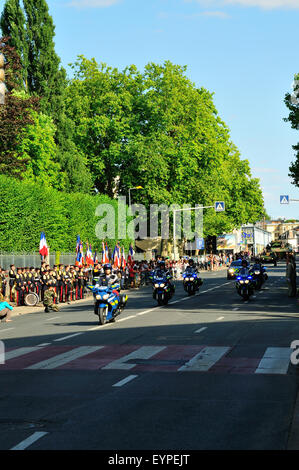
107,304
191,282
259,275
245,285
162,290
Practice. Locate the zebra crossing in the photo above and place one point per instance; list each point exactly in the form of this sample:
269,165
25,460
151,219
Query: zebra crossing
154,358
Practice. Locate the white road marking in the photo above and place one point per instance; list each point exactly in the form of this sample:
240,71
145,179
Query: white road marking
64,358
44,344
145,352
220,318
30,440
54,318
236,308
20,352
274,361
125,381
200,330
6,329
67,337
205,359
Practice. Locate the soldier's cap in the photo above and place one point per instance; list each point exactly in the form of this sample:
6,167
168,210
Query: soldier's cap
61,265
19,269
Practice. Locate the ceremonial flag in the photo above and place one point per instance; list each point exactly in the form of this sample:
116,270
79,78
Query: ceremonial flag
95,258
123,258
88,257
116,257
131,254
43,247
78,244
80,258
105,253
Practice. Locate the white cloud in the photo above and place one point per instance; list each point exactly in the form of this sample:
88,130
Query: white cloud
93,3
266,4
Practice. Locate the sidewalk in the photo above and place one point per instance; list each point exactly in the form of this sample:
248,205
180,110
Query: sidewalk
39,308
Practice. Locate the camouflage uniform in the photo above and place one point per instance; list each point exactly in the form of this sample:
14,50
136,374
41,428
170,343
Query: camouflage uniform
49,296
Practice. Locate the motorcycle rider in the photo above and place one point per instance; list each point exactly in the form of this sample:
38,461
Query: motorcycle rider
162,271
108,278
191,269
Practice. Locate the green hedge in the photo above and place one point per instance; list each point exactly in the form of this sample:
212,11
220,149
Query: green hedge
27,209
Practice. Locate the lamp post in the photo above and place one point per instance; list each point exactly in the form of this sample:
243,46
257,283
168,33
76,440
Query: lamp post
131,189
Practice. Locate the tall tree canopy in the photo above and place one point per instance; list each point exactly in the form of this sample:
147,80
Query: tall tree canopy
160,131
292,103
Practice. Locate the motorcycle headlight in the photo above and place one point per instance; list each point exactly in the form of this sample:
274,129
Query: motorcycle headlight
241,282
256,273
156,285
162,285
98,297
246,282
191,278
106,296
186,278
231,270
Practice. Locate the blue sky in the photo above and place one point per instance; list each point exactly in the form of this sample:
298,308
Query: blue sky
245,51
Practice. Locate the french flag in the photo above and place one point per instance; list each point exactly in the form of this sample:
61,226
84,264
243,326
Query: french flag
43,247
105,253
123,258
89,258
116,257
131,254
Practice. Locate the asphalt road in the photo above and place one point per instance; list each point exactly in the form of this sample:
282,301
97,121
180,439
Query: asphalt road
209,372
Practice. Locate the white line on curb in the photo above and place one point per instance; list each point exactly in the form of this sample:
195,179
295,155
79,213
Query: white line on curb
30,440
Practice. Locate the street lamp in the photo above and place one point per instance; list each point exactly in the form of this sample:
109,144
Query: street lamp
131,189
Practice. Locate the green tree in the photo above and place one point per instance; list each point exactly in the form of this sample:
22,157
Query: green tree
292,103
15,115
12,24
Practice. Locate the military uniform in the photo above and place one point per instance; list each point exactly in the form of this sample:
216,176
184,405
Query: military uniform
20,288
49,299
12,283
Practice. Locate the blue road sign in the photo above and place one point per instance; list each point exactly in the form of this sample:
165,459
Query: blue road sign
219,206
284,199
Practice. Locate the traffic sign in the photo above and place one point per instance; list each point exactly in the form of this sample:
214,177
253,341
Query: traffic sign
219,206
285,199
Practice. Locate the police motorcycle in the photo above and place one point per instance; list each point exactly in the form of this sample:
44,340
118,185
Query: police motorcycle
108,302
258,272
245,283
191,279
162,289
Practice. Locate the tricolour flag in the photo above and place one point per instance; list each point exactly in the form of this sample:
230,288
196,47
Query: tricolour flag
88,257
95,258
105,253
43,247
80,258
123,258
131,254
116,257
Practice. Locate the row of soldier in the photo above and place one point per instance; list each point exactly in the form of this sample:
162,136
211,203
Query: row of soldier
68,281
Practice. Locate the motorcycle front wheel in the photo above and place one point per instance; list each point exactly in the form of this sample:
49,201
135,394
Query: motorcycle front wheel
101,312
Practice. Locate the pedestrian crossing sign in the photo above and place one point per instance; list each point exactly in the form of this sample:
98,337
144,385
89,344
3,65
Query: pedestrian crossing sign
219,206
284,199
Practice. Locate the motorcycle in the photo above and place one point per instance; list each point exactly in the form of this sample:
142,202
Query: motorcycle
259,276
191,282
107,303
245,285
162,291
